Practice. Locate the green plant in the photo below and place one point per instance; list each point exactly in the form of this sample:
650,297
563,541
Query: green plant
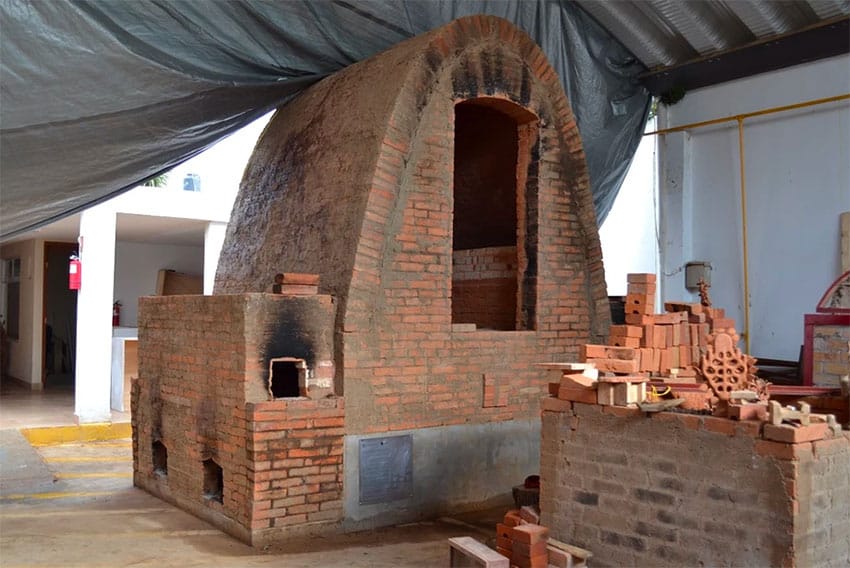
158,181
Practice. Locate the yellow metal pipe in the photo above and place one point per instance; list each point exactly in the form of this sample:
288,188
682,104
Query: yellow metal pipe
744,235
762,112
739,118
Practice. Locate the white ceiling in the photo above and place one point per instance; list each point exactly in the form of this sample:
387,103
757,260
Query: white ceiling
130,228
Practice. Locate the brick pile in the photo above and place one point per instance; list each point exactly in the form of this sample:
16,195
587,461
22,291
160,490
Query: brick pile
660,344
522,539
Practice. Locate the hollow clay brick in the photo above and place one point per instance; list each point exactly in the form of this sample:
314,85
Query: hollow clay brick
640,319
625,341
640,304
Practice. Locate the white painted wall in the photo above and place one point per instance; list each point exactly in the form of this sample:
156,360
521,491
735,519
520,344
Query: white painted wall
25,352
628,236
798,182
136,268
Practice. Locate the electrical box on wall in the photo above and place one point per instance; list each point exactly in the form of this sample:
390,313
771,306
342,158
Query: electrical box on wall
695,271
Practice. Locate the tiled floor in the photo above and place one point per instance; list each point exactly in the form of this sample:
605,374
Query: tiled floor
23,408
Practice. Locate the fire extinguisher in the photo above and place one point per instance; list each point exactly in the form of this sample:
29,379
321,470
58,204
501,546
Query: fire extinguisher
75,273
116,314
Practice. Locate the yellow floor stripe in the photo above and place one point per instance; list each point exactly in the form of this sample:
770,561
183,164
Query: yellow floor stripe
57,495
93,475
52,435
72,459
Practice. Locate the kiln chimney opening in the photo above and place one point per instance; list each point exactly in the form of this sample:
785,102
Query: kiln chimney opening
287,378
494,229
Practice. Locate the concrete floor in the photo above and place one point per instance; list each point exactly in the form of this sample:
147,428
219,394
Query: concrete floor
24,408
74,505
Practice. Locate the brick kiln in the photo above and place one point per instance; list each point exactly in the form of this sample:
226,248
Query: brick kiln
440,192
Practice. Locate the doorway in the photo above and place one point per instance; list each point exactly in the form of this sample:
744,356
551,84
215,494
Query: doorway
60,318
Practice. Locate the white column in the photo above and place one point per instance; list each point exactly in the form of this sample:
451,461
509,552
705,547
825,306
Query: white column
94,316
213,241
675,215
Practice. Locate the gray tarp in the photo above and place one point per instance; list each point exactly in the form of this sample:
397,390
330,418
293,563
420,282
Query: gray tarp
96,96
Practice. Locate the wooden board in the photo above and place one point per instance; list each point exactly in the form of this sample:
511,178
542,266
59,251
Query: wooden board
173,283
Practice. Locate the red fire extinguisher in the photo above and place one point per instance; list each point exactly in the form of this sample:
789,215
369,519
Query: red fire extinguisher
116,314
75,273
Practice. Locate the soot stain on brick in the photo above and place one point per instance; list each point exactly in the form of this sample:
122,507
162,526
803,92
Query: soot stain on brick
624,540
525,87
718,493
290,337
492,72
586,498
662,533
654,497
433,59
464,82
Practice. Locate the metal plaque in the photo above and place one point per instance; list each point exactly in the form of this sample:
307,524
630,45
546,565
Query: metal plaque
386,469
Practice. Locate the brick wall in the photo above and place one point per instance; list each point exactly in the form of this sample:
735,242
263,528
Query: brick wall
679,489
354,180
830,354
296,450
202,393
484,287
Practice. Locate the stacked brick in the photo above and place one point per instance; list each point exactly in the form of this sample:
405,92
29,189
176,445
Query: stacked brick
522,539
660,344
294,456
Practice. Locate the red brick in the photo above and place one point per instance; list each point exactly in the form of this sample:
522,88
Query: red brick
784,451
719,425
626,331
587,396
556,405
529,550
529,534
625,341
512,518
796,434
643,278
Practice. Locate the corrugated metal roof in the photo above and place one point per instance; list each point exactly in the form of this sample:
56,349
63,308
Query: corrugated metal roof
665,33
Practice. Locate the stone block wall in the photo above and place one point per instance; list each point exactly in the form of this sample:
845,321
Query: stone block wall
207,434
830,354
685,490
